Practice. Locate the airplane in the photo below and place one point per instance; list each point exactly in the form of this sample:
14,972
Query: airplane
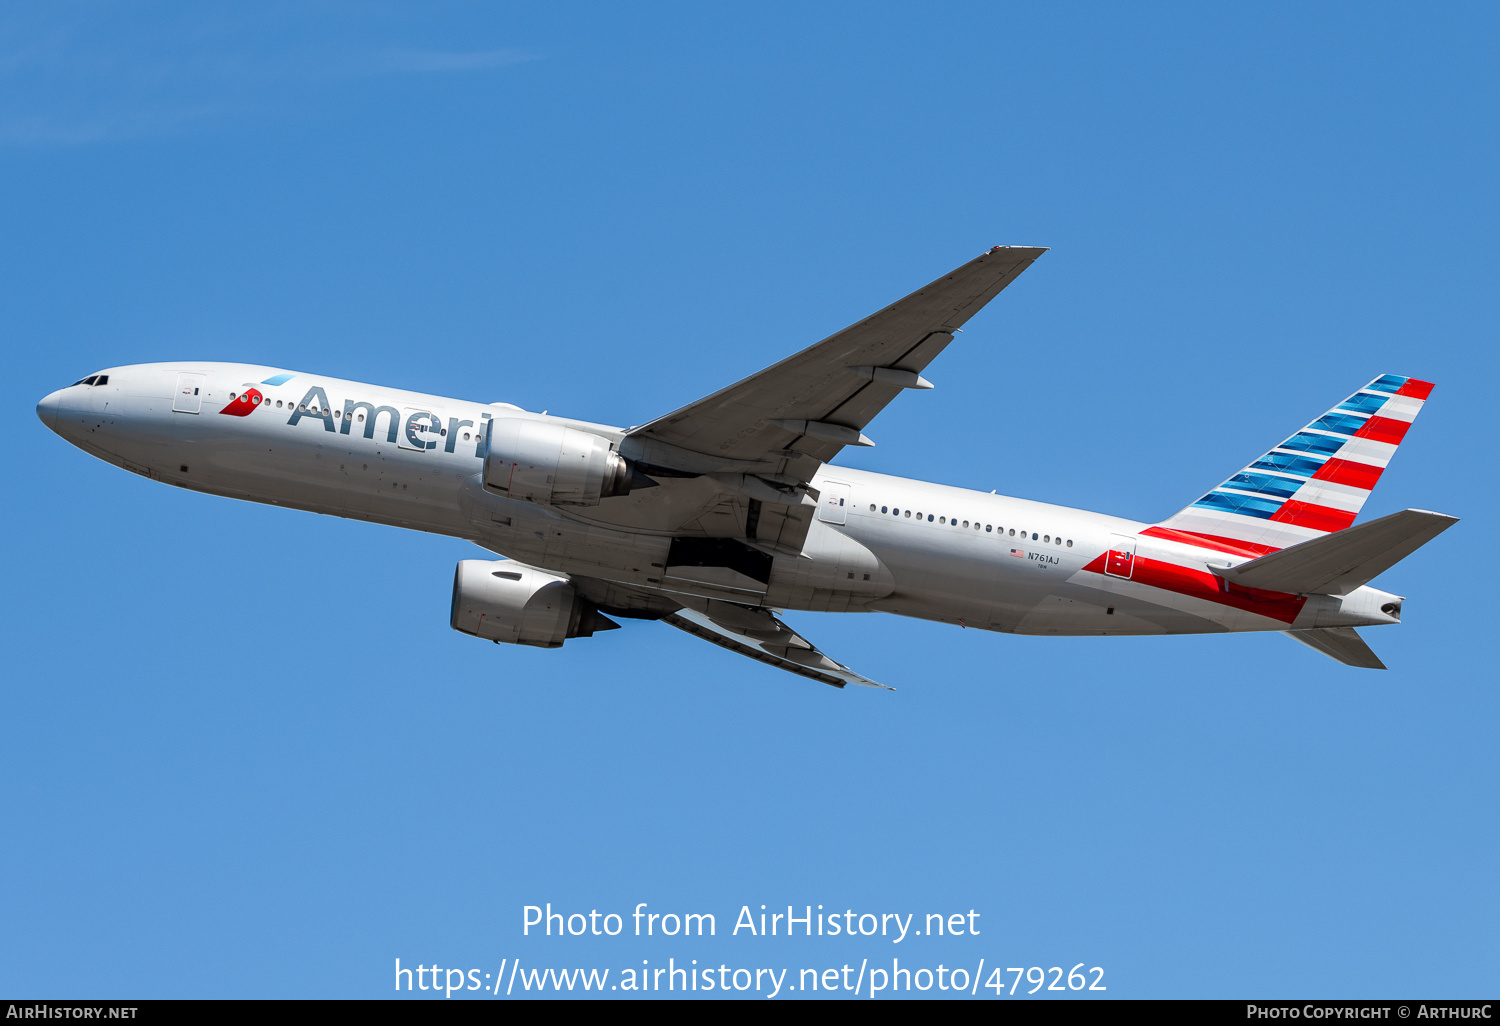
721,516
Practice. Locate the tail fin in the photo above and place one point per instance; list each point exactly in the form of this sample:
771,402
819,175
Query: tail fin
1310,485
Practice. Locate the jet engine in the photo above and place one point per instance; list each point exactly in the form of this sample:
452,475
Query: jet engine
506,601
537,461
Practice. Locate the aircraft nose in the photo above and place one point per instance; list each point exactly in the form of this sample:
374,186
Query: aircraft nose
47,409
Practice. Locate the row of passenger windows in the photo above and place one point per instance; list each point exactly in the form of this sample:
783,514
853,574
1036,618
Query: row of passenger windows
988,528
423,428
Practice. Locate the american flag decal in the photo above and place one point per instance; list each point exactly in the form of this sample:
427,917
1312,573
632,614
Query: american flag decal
1018,553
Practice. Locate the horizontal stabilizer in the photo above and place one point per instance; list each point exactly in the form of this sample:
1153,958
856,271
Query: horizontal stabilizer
1338,563
1341,643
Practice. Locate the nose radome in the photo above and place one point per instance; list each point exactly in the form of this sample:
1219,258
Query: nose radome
48,407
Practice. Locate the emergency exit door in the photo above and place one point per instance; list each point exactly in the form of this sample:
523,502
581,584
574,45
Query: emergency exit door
833,507
189,395
1120,560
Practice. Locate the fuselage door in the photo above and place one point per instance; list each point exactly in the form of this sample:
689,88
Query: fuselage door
421,430
1120,560
189,395
833,507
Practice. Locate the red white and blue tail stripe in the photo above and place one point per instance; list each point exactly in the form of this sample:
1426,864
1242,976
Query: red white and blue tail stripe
1311,484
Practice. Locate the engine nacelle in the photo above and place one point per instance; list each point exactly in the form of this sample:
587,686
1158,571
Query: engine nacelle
536,461
505,601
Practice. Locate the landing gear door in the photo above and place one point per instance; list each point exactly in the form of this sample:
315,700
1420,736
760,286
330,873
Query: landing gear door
833,507
189,395
1120,560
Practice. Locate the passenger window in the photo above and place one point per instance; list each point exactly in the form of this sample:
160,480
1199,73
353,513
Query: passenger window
908,513
942,520
966,523
988,528
882,509
872,505
1033,536
1047,538
1070,543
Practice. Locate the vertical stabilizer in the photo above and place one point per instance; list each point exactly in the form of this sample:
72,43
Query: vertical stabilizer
1310,485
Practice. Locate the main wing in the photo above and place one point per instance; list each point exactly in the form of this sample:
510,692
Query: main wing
757,633
821,399
735,469
749,630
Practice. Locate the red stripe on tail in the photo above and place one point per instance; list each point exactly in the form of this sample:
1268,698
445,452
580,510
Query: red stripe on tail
1416,389
1383,429
1210,541
1319,518
1348,472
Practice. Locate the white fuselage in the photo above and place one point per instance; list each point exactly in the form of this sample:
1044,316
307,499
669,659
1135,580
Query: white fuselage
892,545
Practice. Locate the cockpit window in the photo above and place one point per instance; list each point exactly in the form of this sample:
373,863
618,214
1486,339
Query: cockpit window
92,379
102,380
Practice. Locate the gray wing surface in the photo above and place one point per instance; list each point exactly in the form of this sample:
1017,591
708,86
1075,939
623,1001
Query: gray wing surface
757,633
749,630
799,404
1341,643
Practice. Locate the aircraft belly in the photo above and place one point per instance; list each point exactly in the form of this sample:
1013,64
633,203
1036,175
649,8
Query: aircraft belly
1084,611
1172,611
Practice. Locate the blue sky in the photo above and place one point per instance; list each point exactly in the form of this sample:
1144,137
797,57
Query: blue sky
243,753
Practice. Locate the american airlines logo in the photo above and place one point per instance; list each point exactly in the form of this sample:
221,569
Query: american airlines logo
418,430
